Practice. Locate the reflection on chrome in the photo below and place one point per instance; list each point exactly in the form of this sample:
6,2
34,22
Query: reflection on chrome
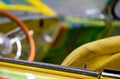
19,50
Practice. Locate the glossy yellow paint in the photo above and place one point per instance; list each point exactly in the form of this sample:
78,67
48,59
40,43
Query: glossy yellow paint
56,73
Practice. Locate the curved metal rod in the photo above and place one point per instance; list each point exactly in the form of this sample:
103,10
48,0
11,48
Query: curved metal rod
19,47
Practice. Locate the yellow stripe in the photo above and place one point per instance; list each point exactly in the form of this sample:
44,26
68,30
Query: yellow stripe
37,7
46,71
44,9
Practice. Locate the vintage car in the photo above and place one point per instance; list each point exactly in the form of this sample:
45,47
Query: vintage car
40,42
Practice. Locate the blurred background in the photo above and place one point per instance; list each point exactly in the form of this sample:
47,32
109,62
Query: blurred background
59,26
